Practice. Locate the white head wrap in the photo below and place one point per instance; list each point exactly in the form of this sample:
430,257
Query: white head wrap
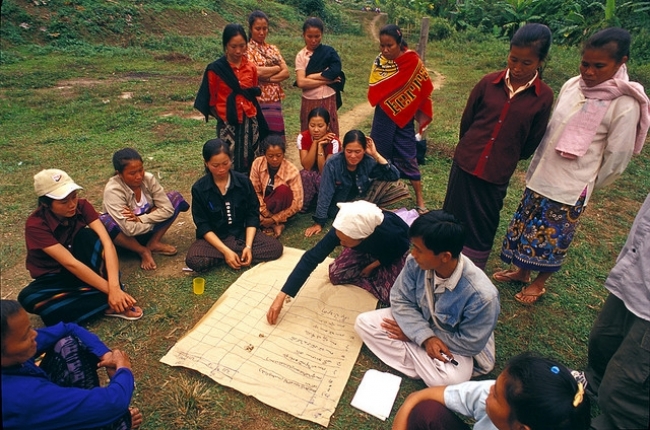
358,220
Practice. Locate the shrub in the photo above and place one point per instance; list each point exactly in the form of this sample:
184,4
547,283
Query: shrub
640,49
440,28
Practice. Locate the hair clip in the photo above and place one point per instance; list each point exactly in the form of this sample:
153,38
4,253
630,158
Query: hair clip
579,395
399,33
555,369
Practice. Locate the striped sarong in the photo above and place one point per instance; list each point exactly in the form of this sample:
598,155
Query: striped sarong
328,103
70,364
386,193
272,112
347,268
310,186
396,144
57,297
243,140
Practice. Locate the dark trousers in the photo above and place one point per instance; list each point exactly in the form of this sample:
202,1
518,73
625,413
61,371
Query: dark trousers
202,256
619,367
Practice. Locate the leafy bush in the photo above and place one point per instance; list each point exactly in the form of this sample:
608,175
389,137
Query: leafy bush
640,49
336,22
440,28
472,34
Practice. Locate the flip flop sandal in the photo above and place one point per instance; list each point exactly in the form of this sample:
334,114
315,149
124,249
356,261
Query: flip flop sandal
506,276
421,210
124,316
523,294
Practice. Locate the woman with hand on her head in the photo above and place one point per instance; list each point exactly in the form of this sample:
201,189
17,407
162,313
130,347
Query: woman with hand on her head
271,70
71,258
315,146
277,184
358,173
532,393
137,211
400,89
375,246
503,122
229,92
318,75
63,390
600,120
226,213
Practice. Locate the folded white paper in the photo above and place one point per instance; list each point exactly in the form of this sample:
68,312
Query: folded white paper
376,393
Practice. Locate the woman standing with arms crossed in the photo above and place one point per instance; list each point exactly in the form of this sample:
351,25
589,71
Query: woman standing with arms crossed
398,72
503,122
318,75
271,70
229,93
600,120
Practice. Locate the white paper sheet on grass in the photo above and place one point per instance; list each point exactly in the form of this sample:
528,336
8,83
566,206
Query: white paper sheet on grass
376,393
301,364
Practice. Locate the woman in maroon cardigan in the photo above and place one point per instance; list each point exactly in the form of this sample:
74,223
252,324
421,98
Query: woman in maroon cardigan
503,122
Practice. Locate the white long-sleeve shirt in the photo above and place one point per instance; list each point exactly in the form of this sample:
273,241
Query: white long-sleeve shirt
562,179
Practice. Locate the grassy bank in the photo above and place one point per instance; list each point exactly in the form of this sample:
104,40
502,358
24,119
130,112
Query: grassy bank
71,105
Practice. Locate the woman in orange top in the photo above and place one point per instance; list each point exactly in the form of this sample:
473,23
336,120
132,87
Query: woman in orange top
229,93
277,184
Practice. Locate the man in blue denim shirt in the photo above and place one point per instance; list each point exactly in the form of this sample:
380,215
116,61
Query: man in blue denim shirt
440,326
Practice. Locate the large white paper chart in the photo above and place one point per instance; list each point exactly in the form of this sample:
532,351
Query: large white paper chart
301,364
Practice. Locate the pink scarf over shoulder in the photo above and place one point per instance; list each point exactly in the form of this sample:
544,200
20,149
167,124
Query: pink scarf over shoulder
581,128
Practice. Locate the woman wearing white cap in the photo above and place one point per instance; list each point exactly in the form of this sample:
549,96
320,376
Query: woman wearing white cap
376,245
75,269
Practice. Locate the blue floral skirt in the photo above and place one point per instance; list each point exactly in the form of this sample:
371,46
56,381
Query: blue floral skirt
541,232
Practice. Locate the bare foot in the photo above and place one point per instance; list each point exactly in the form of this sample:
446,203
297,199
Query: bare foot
136,418
147,260
277,230
511,276
162,248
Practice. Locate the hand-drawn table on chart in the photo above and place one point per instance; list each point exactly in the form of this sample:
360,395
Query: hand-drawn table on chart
301,364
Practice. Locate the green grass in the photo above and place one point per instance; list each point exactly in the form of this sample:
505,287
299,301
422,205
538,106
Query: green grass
60,106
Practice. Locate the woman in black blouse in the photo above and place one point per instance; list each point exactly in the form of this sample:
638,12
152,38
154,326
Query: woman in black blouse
226,213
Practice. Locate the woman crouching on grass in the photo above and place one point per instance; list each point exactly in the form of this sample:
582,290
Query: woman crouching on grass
532,393
71,258
375,246
277,184
137,211
226,213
